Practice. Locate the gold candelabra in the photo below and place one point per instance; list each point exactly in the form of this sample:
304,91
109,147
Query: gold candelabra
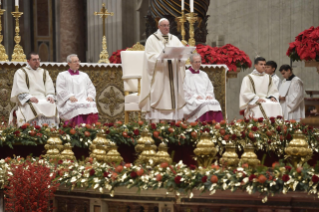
182,20
3,54
192,18
18,54
104,55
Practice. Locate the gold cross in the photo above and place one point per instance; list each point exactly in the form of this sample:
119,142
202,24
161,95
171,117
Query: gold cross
104,14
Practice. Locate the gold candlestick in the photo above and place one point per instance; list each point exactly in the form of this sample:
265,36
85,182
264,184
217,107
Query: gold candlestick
192,18
104,55
18,54
182,20
3,54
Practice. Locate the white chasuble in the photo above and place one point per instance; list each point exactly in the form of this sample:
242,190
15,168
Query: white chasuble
196,85
81,87
259,86
294,107
29,83
162,95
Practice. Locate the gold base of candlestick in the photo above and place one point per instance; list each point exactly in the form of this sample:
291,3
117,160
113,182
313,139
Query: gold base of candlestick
18,54
104,55
3,54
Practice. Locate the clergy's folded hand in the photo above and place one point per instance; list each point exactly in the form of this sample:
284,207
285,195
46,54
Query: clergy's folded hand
199,97
209,97
73,99
261,100
89,99
50,99
34,100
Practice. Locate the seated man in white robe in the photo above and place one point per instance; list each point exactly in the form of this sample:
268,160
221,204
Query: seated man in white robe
199,94
270,69
258,93
76,95
162,97
292,101
33,92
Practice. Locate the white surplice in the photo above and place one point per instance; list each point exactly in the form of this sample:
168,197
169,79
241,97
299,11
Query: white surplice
276,80
29,83
196,85
81,87
162,97
294,106
261,88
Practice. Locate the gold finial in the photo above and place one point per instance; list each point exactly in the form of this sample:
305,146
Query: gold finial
18,53
104,56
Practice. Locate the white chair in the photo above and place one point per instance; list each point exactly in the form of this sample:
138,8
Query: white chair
132,66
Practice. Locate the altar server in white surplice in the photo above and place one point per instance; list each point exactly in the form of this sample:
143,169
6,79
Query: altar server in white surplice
270,68
258,94
161,97
76,95
292,99
199,95
33,92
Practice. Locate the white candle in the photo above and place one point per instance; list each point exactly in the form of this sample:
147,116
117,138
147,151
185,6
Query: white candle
17,3
191,5
182,4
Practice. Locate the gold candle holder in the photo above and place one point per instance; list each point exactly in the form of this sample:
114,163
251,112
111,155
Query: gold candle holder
104,55
182,20
3,54
192,18
18,53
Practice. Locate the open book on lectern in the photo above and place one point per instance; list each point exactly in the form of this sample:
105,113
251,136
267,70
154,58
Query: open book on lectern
176,52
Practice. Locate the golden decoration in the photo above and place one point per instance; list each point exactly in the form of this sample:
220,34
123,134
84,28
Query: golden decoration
3,54
113,156
104,55
230,157
249,156
18,53
67,153
205,150
180,21
192,18
148,156
162,154
54,146
98,148
136,47
298,151
145,136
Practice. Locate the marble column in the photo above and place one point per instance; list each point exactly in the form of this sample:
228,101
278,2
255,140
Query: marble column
72,29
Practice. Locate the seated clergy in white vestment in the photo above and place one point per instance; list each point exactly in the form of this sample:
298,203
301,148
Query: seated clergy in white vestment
291,95
199,94
33,92
76,95
162,98
258,93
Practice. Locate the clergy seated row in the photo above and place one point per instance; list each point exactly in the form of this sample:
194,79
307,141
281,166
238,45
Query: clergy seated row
34,95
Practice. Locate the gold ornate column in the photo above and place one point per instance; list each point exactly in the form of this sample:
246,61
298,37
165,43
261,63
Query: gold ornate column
192,18
3,54
18,53
182,20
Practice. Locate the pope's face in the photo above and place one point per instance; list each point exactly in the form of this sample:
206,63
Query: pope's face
34,61
74,64
164,27
269,70
260,67
196,63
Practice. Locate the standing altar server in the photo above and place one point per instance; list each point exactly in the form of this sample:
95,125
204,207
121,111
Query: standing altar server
33,92
76,95
292,99
270,68
258,93
161,97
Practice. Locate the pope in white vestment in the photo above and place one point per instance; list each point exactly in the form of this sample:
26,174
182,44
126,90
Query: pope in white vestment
258,94
76,94
162,94
292,103
199,95
34,93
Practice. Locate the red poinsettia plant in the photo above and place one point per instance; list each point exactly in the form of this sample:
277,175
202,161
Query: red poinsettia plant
116,56
305,46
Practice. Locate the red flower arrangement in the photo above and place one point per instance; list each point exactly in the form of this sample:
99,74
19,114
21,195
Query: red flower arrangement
305,46
116,56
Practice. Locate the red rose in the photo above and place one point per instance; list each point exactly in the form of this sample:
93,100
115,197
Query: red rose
24,127
60,161
111,124
206,130
136,132
288,168
177,179
278,129
106,174
153,126
285,177
204,123
254,128
204,179
37,127
106,124
133,174
243,134
172,124
261,119
17,133
192,167
107,131
315,178
305,131
272,120
233,137
92,172
247,120
288,137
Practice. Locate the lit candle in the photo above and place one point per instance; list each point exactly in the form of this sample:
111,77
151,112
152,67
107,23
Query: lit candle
191,4
182,4
17,3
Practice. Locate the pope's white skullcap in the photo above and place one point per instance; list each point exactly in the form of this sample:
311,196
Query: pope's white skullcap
162,19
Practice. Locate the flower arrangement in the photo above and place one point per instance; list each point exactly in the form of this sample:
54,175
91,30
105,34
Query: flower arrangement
116,56
305,46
